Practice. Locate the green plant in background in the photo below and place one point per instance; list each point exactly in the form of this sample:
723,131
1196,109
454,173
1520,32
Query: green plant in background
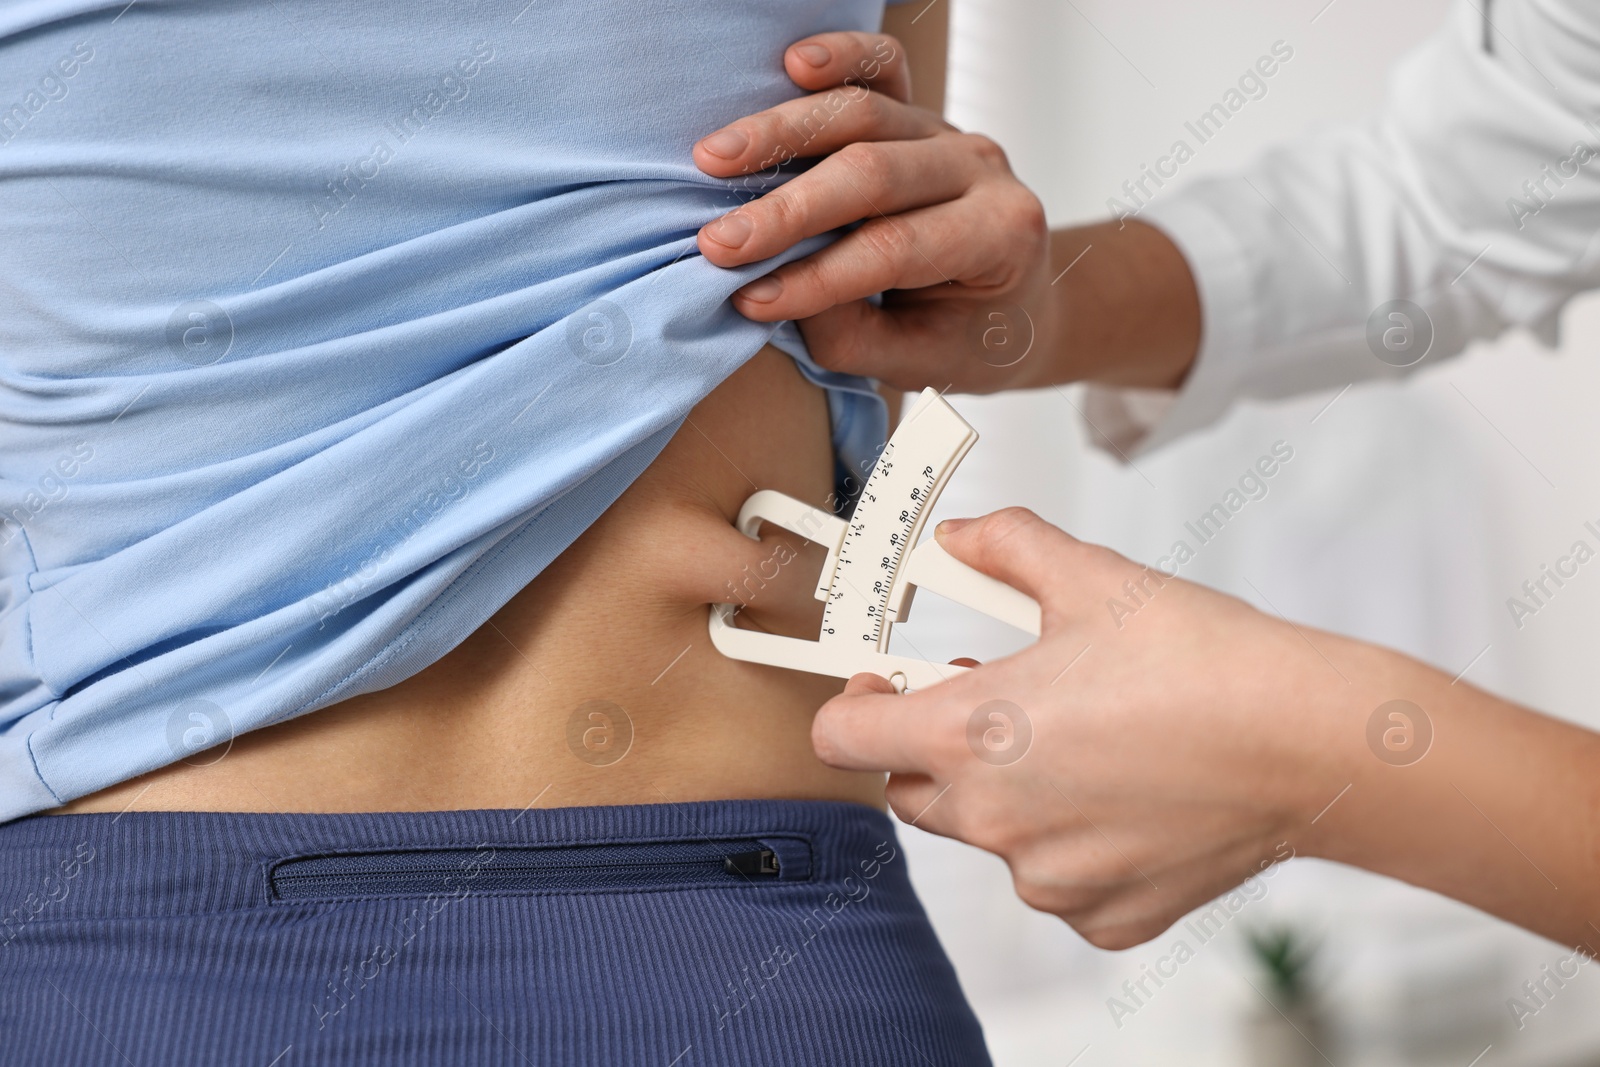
1285,956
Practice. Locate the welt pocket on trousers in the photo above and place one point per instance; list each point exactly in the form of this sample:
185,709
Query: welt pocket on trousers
731,862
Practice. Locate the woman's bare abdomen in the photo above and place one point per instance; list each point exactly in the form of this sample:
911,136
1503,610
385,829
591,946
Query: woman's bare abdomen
597,683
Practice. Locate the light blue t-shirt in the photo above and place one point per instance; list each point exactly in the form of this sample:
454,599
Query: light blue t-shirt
326,326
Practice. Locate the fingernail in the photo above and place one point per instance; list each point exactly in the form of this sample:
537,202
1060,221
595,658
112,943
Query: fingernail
950,526
764,291
815,54
732,230
726,143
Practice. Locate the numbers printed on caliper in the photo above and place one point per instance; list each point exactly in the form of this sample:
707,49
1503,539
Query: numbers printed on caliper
888,521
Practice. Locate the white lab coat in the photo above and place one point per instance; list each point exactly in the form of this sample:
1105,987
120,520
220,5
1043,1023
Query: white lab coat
1475,195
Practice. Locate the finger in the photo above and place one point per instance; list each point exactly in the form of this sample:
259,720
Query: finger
1017,547
859,338
810,126
866,682
876,342
860,181
829,59
948,242
965,661
1141,907
908,344
870,730
913,798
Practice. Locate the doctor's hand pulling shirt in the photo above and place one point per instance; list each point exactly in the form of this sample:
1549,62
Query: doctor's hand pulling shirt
1474,195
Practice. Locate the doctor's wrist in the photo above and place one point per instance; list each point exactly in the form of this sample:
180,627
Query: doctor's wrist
1440,784
1346,760
1124,309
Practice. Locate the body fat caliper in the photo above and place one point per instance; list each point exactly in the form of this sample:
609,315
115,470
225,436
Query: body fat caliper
875,562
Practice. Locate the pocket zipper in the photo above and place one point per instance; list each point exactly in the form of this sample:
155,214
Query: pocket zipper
533,869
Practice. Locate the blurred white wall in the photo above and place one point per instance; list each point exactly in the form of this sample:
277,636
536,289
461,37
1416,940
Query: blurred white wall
1408,516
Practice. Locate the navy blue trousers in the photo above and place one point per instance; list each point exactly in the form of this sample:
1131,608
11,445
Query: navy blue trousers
732,932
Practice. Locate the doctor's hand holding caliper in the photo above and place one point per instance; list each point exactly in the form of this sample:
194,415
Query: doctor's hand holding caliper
1186,752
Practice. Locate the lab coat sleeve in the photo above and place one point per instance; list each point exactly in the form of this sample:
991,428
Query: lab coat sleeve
1475,195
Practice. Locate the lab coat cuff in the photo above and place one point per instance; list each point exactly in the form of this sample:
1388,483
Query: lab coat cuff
1128,421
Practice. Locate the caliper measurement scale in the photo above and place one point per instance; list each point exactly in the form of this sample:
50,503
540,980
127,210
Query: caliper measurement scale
875,562
890,515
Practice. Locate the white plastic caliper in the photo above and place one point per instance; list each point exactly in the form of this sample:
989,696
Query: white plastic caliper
872,570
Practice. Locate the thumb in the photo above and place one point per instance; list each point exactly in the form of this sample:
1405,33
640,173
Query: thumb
858,338
1016,546
869,727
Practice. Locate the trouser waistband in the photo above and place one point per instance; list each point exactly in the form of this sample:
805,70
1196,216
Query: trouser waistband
176,863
